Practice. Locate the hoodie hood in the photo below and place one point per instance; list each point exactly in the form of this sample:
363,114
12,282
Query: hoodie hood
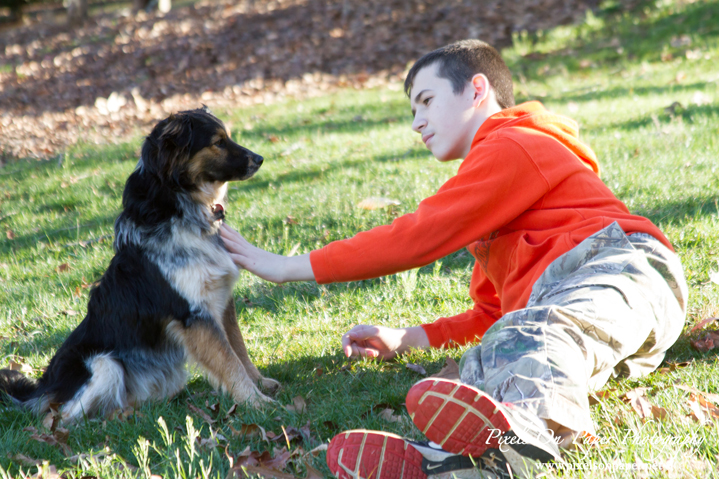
533,115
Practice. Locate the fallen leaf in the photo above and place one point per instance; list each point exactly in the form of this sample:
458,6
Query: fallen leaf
376,203
201,413
10,234
52,419
708,407
701,324
638,401
231,411
709,396
298,405
696,412
63,267
659,412
249,431
69,312
389,415
416,368
673,367
449,371
215,407
51,440
595,397
707,342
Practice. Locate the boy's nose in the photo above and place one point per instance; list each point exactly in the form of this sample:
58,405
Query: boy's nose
418,124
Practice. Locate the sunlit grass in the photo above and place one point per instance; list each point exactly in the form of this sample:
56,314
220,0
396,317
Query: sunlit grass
616,74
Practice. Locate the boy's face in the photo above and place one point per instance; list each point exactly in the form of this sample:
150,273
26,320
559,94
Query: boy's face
446,121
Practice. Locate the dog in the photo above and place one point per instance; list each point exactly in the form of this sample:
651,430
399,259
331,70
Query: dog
166,296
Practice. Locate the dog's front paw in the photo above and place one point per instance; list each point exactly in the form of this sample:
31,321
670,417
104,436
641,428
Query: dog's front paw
270,386
260,400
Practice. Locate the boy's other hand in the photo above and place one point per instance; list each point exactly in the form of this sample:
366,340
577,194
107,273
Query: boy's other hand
266,265
379,342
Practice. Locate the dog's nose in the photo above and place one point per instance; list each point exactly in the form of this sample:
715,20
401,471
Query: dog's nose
257,159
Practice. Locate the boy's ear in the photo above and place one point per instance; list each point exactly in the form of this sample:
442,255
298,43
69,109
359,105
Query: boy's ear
481,86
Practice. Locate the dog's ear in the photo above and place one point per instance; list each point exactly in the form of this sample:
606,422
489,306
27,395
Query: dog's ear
167,148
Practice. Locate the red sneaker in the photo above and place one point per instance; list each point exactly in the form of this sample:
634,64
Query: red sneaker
379,455
465,420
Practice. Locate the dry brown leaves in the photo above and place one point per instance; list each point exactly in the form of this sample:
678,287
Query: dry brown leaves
119,72
706,342
58,438
449,371
270,465
299,405
701,404
639,402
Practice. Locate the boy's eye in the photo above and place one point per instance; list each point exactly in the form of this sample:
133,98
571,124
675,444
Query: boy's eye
426,100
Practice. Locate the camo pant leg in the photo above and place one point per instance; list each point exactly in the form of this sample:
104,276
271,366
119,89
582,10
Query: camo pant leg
611,306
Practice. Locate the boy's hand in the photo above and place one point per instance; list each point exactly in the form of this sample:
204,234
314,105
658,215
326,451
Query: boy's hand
382,343
266,265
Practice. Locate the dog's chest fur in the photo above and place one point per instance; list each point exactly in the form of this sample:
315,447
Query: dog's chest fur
200,269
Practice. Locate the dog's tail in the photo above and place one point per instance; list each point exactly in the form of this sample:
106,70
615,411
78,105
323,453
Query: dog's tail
16,386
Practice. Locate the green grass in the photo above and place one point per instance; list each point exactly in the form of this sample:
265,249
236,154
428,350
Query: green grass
616,73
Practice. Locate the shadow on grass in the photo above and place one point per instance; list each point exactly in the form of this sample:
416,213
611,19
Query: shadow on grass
640,39
687,113
351,119
681,212
624,92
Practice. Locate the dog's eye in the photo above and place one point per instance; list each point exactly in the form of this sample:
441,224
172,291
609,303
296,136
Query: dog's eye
219,143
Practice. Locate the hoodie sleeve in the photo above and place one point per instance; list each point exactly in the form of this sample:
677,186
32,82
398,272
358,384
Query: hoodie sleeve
469,205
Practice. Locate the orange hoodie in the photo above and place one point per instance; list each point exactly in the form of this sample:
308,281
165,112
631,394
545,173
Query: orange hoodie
527,192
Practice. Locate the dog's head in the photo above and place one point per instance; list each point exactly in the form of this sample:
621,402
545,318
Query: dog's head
192,148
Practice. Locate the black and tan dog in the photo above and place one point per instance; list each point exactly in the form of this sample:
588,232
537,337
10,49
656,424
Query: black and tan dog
167,294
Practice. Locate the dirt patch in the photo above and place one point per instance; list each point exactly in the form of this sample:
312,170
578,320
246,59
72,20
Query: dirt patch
120,73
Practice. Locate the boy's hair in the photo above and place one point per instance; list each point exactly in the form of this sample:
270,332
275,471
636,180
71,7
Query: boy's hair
460,61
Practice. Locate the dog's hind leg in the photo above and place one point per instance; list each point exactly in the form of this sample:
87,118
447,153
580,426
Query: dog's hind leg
229,322
209,347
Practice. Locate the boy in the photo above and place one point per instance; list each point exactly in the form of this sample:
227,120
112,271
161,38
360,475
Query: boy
569,287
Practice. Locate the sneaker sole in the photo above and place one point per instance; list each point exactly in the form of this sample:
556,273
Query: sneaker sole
373,455
461,419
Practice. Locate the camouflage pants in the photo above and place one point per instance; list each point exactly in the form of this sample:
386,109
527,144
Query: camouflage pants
611,306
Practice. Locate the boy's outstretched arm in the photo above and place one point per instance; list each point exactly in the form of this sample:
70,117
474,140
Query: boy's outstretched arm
266,265
381,342
362,340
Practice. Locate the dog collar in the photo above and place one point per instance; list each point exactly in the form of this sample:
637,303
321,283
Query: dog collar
218,211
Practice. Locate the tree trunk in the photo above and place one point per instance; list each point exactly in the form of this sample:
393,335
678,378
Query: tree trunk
162,5
76,11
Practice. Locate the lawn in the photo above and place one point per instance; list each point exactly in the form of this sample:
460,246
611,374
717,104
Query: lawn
643,86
